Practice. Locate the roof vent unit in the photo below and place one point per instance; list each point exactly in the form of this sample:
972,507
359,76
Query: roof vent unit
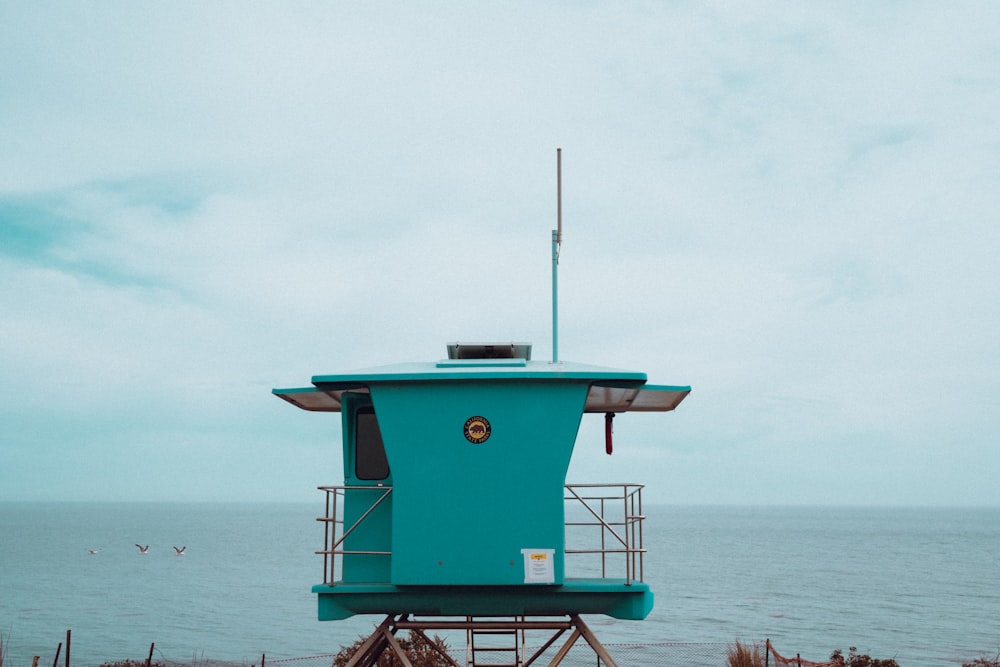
489,351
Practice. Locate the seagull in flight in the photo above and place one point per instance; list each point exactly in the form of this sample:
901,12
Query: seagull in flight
93,552
143,550
180,552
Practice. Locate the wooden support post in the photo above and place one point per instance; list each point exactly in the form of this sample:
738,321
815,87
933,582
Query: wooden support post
369,644
593,641
384,638
397,649
565,648
55,661
149,659
544,647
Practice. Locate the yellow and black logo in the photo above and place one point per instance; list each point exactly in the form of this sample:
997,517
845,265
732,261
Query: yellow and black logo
477,430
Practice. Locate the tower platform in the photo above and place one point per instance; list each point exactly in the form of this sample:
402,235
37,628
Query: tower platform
612,597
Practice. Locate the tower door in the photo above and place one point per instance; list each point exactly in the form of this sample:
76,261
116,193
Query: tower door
368,479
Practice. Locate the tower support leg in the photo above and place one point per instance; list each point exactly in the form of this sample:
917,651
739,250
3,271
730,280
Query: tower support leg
384,637
591,638
372,648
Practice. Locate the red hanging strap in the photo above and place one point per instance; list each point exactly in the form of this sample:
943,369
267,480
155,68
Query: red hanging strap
608,444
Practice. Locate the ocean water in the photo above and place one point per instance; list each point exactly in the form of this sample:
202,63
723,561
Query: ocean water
920,585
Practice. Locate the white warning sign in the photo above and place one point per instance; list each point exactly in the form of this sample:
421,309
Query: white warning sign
539,566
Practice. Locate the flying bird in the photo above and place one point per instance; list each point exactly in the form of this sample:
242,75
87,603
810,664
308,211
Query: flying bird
180,552
143,550
93,552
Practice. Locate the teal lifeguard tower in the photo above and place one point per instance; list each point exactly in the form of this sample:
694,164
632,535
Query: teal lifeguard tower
455,502
453,512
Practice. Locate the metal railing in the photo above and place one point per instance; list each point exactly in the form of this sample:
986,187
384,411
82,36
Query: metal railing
335,530
614,511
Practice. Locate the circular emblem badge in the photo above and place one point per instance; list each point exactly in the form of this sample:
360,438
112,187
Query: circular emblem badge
477,430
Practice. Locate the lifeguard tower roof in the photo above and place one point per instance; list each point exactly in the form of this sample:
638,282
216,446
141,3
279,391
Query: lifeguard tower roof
610,390
454,494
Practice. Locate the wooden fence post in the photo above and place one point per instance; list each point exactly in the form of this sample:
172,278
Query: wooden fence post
150,658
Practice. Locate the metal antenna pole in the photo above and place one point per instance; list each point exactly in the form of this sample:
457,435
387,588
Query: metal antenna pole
556,246
559,195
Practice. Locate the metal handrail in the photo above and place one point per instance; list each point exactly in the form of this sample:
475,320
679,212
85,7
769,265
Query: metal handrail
616,510
628,517
332,518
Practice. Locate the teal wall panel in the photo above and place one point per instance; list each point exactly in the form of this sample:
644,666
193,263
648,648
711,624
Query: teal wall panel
463,511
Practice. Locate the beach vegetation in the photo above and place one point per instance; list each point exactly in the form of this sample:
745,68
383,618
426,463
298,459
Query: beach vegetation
855,659
984,661
751,655
744,655
419,649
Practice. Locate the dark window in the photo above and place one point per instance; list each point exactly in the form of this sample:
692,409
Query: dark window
370,461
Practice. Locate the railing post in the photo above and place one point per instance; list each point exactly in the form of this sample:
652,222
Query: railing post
642,554
626,531
339,523
326,537
604,552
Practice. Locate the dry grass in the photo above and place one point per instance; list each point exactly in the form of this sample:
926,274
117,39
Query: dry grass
744,655
984,661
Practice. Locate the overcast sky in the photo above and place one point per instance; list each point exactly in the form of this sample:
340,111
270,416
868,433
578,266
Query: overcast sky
792,207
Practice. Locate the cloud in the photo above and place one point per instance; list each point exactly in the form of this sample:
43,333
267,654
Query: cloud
794,211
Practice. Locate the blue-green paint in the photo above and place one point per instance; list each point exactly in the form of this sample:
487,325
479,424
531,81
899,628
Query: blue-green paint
611,597
461,512
464,511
